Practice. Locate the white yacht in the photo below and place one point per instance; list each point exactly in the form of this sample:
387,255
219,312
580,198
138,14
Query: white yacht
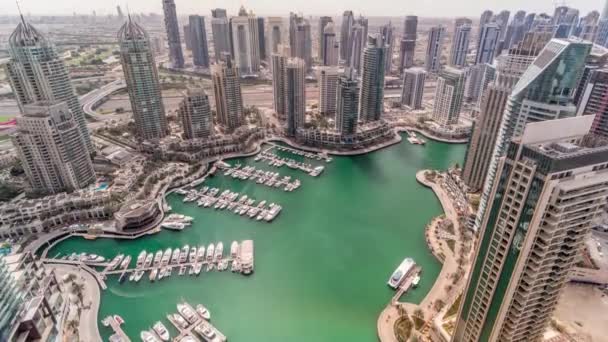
148,261
205,331
210,251
115,262
183,256
175,256
200,255
141,259
275,209
246,257
166,257
125,263
187,312
157,258
180,320
147,336
234,249
153,274
192,257
161,331
401,272
173,225
219,251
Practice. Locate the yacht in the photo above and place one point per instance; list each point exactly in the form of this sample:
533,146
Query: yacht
183,269
219,251
198,268
416,281
401,272
161,273
179,320
153,274
210,251
234,249
115,262
138,275
125,262
200,255
173,225
175,256
148,260
166,257
183,256
205,331
187,312
246,257
275,209
147,336
236,266
192,256
141,259
162,332
157,258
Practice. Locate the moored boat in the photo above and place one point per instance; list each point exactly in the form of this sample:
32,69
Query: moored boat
140,259
210,252
219,251
187,312
125,263
183,256
401,272
234,249
162,332
147,336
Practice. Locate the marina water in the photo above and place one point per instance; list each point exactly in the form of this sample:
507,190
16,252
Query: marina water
320,267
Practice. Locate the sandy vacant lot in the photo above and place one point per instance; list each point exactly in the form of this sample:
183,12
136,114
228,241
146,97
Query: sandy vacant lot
585,308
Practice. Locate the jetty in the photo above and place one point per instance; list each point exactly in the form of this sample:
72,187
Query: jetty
115,322
197,328
273,160
406,284
309,155
266,178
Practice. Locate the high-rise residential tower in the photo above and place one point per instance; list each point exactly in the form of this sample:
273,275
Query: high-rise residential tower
544,92
371,100
347,103
548,190
262,38
348,20
460,42
195,114
198,38
432,61
274,36
331,52
176,56
413,87
478,78
328,83
227,94
278,62
141,76
448,96
303,42
357,42
187,38
51,149
595,101
37,73
295,74
486,44
220,30
246,47
386,32
407,46
323,22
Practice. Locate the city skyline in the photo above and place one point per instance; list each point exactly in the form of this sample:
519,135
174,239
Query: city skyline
429,9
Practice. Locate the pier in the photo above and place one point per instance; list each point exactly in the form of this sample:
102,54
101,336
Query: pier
309,155
406,284
191,328
266,178
150,268
276,161
119,334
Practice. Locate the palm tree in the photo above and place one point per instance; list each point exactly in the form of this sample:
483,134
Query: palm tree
73,325
78,290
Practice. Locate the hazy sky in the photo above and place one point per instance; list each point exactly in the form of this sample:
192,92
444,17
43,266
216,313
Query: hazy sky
428,8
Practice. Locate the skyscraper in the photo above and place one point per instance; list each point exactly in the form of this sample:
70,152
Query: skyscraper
245,43
564,20
51,149
278,62
407,46
595,101
262,38
323,22
275,29
478,78
198,38
448,96
356,44
220,30
348,19
295,74
37,73
502,20
141,76
328,83
176,56
121,16
549,189
486,44
387,36
486,18
515,30
432,61
587,29
331,47
544,92
187,38
303,42
227,93
372,80
347,103
195,114
460,42
413,87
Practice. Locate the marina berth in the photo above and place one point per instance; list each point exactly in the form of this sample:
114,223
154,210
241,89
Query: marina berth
162,332
147,336
246,257
140,259
175,256
402,271
219,250
187,312
183,256
203,312
158,256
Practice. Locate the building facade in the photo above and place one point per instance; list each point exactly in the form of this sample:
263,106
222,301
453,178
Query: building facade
278,62
386,32
348,20
328,85
331,47
220,31
486,44
245,43
371,99
227,94
176,55
198,39
323,22
407,46
195,114
460,42
432,60
549,189
413,87
51,149
295,95
37,73
448,96
141,76
595,101
274,35
347,104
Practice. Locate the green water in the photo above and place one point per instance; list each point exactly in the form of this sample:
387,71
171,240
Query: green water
320,268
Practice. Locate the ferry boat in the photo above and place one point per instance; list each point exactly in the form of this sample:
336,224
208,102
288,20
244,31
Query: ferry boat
183,256
162,332
401,272
147,336
219,251
157,258
200,255
210,252
166,257
192,256
140,259
234,249
246,257
187,312
175,256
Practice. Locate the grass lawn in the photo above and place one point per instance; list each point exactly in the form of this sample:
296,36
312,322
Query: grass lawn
4,118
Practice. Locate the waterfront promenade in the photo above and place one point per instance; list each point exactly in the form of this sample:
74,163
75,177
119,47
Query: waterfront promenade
386,320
